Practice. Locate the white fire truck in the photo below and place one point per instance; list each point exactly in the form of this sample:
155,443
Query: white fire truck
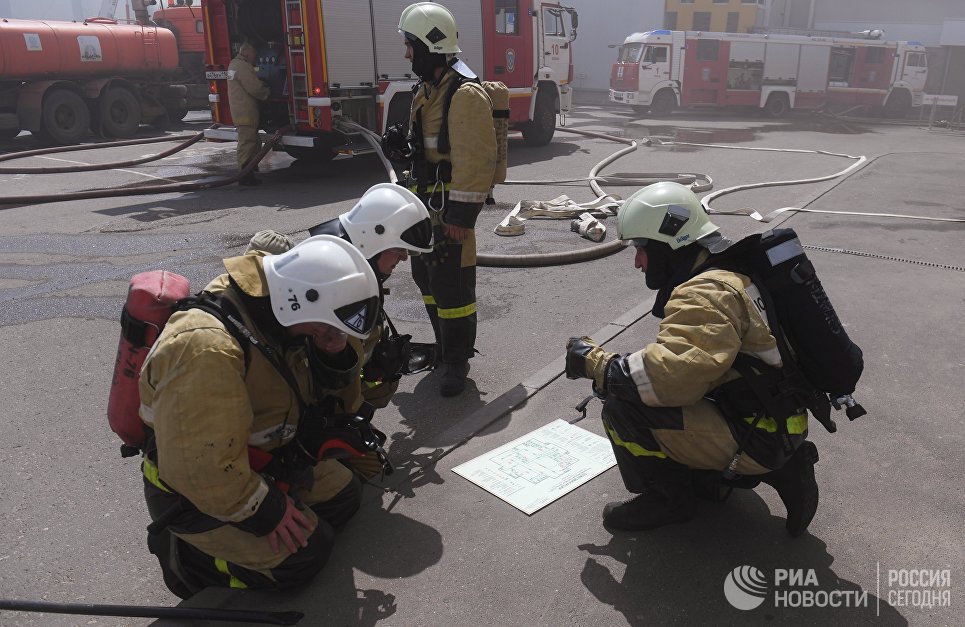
332,60
662,69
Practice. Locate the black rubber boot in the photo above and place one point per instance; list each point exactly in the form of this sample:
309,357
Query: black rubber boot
454,378
668,501
797,488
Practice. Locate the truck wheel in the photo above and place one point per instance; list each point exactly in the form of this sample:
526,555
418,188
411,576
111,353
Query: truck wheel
777,105
120,113
176,114
898,104
65,118
664,102
540,131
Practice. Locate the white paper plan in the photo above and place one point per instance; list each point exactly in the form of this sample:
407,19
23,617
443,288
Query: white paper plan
540,467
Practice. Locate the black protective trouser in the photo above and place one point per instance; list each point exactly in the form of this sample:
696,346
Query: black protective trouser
187,570
447,279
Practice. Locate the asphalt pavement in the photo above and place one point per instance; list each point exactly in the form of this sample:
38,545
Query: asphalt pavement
428,547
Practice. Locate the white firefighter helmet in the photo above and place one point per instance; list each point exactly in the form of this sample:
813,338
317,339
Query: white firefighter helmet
323,279
388,216
665,212
433,25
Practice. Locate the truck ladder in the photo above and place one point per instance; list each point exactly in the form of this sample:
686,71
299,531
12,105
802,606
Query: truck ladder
297,63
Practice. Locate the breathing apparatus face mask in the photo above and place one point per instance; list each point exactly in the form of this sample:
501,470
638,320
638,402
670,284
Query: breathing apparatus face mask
424,63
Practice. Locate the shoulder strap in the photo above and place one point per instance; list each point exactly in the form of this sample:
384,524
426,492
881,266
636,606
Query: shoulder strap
457,81
222,309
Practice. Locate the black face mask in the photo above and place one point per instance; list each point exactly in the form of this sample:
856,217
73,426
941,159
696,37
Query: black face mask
668,268
425,63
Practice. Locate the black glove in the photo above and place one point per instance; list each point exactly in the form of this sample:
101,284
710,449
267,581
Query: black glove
395,143
389,360
577,349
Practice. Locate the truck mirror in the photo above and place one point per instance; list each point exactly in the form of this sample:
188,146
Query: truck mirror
574,20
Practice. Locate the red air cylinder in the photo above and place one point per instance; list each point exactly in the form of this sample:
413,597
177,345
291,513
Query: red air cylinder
150,302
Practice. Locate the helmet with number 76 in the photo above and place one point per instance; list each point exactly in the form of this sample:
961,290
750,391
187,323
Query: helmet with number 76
323,279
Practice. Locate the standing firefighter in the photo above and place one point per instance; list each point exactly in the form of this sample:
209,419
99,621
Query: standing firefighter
235,477
453,169
685,407
245,91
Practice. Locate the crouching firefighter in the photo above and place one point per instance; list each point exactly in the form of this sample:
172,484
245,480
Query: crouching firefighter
234,400
388,224
451,145
715,401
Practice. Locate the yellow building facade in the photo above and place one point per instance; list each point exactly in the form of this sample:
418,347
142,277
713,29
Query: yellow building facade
727,16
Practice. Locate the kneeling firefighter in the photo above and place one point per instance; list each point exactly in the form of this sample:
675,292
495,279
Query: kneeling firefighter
685,408
223,392
451,145
387,224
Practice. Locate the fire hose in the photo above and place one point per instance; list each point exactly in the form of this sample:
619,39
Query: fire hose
147,611
698,182
147,189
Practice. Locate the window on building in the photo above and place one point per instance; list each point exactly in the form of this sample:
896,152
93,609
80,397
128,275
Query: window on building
198,26
506,13
707,49
874,55
670,20
553,23
751,2
686,1
655,54
732,18
701,20
721,1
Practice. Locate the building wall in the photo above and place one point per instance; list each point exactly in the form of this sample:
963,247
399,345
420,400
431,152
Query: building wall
919,20
747,11
604,23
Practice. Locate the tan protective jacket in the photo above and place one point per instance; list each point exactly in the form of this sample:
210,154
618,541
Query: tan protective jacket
206,410
709,320
245,89
472,140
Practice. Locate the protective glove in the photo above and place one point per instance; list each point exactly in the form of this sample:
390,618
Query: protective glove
586,360
395,143
389,359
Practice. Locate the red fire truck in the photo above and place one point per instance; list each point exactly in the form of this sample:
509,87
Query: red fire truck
662,69
331,60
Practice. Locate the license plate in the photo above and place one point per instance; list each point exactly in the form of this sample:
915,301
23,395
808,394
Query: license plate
217,75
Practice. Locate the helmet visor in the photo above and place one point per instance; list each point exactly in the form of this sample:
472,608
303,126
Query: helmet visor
359,316
419,235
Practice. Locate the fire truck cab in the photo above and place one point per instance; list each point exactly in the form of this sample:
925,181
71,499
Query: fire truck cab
328,61
662,69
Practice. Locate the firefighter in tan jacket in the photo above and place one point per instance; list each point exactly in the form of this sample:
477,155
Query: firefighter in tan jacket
677,413
453,169
245,91
235,488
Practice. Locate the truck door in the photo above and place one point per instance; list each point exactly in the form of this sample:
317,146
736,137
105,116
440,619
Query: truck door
705,72
654,66
915,71
508,50
555,49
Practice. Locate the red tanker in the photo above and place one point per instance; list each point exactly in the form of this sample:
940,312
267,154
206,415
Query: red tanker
64,79
32,49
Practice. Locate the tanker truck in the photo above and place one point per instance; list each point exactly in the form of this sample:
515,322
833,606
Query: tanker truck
62,80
